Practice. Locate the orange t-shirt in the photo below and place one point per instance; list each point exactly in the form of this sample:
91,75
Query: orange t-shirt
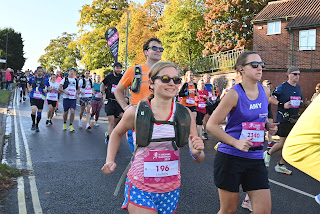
127,81
189,100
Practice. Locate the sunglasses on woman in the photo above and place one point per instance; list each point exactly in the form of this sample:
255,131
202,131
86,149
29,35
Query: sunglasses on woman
167,79
255,64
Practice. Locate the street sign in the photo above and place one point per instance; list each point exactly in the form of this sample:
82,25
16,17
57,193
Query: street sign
3,61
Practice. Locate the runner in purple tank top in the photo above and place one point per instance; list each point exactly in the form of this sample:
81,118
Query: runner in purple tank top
239,159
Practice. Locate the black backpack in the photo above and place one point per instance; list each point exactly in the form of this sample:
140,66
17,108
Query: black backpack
66,83
84,83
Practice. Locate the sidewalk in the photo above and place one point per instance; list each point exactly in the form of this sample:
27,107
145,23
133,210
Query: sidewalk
3,119
3,116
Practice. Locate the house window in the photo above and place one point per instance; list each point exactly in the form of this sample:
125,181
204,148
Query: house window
274,28
307,39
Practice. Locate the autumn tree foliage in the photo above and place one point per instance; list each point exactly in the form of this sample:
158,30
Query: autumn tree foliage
144,24
94,21
228,24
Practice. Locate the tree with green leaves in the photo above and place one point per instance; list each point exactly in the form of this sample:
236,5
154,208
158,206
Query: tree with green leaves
15,58
61,53
180,23
94,21
228,24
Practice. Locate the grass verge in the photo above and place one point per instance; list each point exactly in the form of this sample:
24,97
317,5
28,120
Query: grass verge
4,96
7,179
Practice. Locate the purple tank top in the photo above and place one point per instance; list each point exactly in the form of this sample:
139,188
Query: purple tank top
246,111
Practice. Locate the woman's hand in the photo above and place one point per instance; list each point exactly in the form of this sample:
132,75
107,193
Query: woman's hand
243,144
197,145
109,167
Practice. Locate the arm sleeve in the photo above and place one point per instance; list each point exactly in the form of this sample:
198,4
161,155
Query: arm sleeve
128,77
302,146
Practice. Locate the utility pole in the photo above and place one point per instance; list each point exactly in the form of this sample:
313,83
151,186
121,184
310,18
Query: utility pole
6,51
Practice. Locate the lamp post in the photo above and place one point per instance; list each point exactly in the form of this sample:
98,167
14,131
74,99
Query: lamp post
126,59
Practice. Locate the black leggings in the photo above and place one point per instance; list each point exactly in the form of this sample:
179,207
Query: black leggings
23,92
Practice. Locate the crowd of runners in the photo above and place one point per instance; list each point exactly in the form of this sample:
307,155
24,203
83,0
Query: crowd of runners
163,112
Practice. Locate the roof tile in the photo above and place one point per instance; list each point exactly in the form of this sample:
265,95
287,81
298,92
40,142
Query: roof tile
300,13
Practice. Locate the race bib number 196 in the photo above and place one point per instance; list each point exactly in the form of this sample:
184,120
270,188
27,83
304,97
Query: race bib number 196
161,166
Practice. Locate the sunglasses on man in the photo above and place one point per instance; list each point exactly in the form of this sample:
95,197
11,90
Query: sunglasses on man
167,79
296,74
155,48
255,64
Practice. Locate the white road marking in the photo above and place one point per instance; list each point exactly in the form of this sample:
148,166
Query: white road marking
292,188
33,186
21,191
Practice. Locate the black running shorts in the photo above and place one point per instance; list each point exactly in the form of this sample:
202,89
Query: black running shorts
192,108
113,108
37,102
232,171
199,119
284,129
53,103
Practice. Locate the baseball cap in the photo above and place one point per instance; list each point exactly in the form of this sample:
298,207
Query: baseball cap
70,69
117,64
292,69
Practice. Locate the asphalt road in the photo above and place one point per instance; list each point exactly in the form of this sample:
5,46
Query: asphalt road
65,177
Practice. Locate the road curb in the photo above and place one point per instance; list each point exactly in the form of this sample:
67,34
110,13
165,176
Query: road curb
3,119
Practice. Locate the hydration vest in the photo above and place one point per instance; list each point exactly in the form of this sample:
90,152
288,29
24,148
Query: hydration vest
66,83
84,84
144,122
42,82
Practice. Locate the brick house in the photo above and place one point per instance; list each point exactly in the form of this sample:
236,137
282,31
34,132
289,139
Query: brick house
286,33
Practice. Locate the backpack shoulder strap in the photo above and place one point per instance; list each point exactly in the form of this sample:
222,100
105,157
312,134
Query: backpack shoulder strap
143,124
182,121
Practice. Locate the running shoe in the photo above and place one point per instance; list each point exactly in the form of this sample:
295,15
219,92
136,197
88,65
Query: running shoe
88,127
64,127
24,99
282,169
270,145
55,113
246,204
80,123
37,129
266,158
47,123
317,199
106,141
20,100
202,138
96,123
50,122
33,127
106,134
71,128
205,136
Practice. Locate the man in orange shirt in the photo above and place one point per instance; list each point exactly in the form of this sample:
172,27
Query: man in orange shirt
153,51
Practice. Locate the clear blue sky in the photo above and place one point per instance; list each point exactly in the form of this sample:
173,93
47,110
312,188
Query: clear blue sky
38,21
